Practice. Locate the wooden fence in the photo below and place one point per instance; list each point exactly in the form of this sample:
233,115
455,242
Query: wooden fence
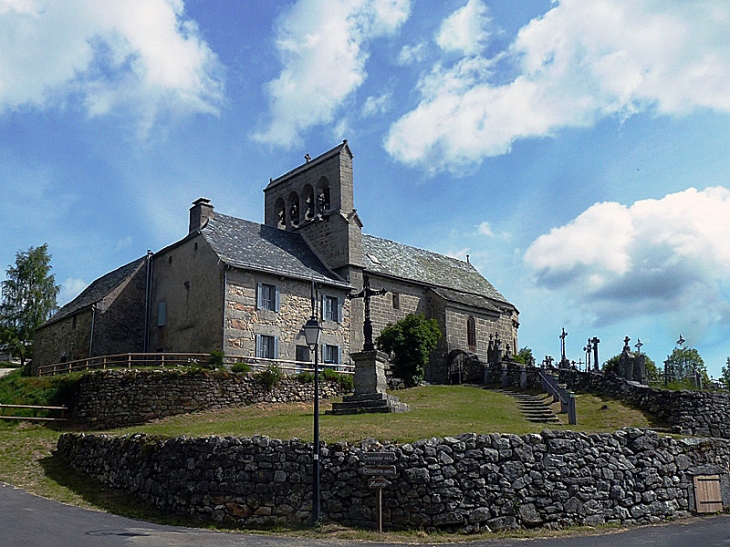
164,360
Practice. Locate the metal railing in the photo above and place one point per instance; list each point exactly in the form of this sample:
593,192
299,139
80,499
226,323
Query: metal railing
164,360
551,386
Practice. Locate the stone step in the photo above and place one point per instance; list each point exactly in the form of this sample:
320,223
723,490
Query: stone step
533,408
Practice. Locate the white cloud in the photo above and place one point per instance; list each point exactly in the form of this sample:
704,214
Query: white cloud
376,105
138,55
323,47
465,29
579,63
70,289
411,54
666,256
485,229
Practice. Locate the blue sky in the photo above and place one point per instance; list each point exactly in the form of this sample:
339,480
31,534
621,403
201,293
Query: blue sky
577,151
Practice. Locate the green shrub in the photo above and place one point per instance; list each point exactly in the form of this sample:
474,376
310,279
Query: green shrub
345,381
241,367
270,376
410,342
216,359
305,377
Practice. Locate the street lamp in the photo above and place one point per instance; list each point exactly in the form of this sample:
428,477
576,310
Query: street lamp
312,334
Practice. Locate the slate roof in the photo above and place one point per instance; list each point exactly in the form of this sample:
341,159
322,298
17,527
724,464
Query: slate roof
432,269
249,245
98,290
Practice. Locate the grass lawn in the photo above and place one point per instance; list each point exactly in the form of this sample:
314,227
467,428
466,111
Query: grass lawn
437,411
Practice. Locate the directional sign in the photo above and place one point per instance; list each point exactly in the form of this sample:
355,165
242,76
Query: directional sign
378,457
382,470
378,482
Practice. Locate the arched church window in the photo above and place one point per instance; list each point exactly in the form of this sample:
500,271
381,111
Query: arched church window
309,206
294,210
280,209
471,332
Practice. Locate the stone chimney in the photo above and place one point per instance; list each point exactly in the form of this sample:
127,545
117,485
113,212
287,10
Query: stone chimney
200,212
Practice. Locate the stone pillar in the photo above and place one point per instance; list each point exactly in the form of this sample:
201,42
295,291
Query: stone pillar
370,372
370,385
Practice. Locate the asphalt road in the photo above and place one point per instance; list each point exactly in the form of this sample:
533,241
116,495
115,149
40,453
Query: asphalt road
30,521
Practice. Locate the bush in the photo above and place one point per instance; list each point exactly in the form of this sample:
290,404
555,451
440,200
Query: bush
305,377
270,376
345,381
216,359
410,342
241,367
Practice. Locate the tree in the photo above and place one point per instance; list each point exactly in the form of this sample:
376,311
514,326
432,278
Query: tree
28,299
725,376
611,365
410,342
524,356
682,364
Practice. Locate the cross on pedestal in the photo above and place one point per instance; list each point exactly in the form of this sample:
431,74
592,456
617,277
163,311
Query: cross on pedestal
365,294
638,346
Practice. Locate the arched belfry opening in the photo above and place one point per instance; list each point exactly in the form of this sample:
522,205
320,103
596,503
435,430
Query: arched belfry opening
323,196
293,210
280,208
308,199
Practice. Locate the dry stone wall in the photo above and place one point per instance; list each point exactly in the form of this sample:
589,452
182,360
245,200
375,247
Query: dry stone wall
469,482
115,398
700,413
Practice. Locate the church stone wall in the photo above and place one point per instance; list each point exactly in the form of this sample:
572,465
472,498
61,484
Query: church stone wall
188,279
64,340
244,321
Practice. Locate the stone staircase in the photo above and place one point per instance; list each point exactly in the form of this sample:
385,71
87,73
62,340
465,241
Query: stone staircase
368,403
533,407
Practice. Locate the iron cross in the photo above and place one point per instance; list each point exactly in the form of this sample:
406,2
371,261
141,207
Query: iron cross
365,294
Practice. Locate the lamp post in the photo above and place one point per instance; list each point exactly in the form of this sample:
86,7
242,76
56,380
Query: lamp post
312,334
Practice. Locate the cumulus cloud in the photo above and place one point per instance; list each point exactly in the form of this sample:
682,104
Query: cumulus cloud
464,30
665,256
323,47
578,63
139,55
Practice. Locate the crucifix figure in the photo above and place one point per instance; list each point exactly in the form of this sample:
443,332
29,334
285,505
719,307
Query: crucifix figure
638,346
588,348
562,348
365,294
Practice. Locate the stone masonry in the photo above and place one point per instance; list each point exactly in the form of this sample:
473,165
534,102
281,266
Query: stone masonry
469,482
116,398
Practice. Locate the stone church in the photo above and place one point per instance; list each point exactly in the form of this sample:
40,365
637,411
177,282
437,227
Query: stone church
244,288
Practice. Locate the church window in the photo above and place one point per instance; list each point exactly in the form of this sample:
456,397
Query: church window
73,322
396,301
471,332
332,354
267,347
331,308
267,297
304,355
161,314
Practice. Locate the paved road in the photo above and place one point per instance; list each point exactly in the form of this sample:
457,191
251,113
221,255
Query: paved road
4,371
29,521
